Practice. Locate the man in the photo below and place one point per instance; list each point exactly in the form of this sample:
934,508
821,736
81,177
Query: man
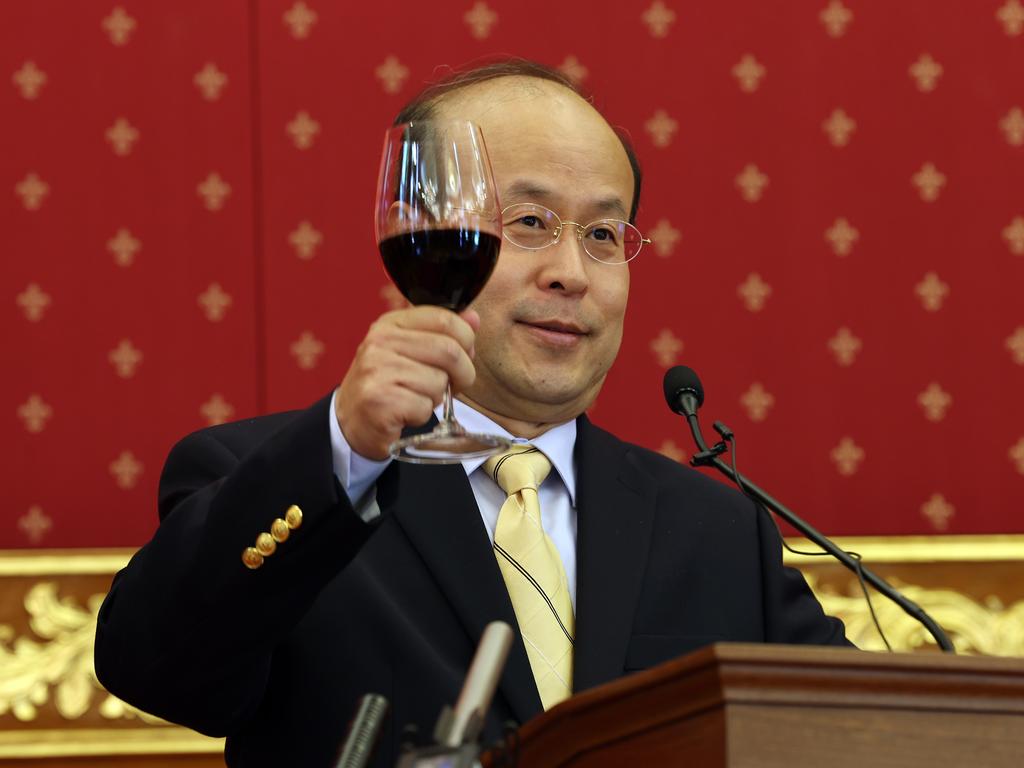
296,569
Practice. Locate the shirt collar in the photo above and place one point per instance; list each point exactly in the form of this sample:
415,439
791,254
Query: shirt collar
558,443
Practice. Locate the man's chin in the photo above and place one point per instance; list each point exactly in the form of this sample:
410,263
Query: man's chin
553,395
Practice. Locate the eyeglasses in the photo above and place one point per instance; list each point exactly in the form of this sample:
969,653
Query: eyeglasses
533,227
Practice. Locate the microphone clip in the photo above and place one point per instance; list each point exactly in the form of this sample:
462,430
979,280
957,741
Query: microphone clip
707,458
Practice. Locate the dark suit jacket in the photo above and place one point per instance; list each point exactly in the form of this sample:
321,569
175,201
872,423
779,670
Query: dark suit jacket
275,658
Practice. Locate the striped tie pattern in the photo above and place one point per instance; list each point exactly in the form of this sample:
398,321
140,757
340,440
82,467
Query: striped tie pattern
533,572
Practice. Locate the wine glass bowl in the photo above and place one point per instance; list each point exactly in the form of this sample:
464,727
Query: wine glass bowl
438,228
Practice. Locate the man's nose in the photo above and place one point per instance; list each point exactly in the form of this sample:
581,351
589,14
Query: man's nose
565,267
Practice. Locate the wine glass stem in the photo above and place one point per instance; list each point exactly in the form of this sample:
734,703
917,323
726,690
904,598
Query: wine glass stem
449,410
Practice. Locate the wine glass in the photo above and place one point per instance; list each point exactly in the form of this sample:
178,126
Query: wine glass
438,226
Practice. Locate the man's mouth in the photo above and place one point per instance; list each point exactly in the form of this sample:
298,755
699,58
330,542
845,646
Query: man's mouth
558,333
556,325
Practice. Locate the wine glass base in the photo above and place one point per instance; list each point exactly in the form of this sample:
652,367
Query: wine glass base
447,448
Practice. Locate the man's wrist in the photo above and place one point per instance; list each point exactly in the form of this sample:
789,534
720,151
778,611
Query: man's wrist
355,472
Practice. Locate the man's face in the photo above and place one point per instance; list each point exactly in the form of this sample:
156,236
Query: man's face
550,320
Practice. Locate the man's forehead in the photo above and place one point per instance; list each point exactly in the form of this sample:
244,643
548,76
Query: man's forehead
547,144
525,109
535,191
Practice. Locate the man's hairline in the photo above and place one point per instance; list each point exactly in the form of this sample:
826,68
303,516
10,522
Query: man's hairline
538,84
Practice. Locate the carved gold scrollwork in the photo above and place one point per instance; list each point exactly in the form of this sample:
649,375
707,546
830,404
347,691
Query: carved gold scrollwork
986,627
61,661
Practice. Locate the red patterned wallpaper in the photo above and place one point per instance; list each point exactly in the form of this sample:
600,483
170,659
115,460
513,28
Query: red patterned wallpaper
833,187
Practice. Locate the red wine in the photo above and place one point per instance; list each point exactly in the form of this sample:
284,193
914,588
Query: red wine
444,267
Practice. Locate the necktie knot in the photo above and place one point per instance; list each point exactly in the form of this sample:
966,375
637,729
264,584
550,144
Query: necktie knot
523,466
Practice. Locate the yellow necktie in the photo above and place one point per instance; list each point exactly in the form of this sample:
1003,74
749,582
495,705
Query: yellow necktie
533,572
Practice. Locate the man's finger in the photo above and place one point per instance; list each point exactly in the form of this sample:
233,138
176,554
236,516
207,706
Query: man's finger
422,379
437,320
433,349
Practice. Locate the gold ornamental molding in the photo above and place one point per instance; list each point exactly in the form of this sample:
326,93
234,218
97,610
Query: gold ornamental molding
918,549
89,742
52,664
874,549
976,627
990,626
52,660
60,661
63,562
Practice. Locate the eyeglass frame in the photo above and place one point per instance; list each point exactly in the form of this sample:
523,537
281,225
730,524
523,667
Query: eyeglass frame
580,229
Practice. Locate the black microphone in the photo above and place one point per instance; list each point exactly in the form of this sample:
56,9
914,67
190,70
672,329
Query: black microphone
684,395
683,390
363,732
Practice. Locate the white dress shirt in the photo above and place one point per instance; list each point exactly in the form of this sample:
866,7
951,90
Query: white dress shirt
358,476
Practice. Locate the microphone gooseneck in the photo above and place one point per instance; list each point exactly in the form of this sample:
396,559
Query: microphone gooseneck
684,394
363,732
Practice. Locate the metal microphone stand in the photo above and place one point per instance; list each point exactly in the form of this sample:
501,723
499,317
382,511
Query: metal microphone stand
709,457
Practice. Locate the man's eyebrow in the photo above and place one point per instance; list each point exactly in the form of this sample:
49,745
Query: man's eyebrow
531,189
527,188
611,205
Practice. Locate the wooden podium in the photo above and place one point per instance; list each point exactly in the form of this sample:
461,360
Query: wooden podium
786,707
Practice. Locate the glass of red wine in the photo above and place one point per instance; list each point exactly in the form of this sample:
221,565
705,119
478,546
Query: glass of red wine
438,226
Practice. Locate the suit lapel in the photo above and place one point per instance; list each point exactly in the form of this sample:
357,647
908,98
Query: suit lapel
440,516
616,504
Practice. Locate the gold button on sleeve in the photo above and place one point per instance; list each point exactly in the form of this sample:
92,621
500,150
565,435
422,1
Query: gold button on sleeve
293,517
252,558
265,544
279,530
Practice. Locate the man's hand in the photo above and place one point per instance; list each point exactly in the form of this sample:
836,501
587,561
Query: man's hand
400,372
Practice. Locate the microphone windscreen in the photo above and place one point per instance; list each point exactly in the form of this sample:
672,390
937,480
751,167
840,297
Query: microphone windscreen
680,379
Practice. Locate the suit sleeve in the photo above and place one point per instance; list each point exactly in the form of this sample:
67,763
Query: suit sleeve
792,614
187,632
